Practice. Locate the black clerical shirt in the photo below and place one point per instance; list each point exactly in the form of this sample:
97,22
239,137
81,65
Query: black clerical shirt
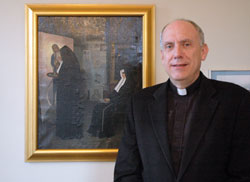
179,110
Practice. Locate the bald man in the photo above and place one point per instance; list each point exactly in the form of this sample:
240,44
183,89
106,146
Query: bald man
190,128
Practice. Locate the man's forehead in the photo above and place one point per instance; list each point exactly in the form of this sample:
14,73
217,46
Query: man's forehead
180,30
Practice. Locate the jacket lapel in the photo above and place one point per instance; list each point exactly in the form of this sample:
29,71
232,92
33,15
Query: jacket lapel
158,114
204,110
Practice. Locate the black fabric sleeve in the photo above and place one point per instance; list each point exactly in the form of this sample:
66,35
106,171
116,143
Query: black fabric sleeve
128,166
239,164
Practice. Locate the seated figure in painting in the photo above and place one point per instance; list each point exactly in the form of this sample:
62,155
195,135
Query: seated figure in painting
108,115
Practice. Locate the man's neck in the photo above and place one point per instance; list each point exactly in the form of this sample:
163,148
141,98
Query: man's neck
182,84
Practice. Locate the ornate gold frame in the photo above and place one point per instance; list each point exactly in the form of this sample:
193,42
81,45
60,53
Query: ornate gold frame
32,11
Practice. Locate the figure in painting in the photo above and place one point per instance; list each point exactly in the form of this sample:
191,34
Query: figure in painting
55,64
108,115
67,81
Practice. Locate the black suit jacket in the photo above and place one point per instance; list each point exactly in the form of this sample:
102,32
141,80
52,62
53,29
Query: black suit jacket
217,148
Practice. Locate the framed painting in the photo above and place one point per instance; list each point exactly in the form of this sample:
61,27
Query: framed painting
83,62
239,77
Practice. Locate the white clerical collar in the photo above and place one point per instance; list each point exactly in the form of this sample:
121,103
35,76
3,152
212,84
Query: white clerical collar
188,90
182,91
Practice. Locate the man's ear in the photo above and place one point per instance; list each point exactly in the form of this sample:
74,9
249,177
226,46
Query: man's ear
204,52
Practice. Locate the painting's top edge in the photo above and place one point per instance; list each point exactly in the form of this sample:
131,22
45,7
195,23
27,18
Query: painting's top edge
89,9
56,7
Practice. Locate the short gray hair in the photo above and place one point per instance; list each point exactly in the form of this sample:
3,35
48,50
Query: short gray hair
197,27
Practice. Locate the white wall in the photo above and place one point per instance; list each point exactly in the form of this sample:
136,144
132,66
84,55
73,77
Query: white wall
226,25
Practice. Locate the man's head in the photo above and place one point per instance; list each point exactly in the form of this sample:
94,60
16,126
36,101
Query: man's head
182,50
55,48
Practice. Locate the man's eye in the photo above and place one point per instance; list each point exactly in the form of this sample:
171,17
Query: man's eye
187,44
169,46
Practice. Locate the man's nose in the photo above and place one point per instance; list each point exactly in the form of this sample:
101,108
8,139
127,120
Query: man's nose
178,52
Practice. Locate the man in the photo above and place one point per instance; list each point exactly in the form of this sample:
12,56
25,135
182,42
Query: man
189,129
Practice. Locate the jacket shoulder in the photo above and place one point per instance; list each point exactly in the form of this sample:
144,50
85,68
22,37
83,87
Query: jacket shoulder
147,94
229,90
227,86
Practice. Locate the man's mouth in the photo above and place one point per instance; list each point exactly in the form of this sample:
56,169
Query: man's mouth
179,65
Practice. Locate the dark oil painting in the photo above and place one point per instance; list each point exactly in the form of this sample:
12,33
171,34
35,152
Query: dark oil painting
88,67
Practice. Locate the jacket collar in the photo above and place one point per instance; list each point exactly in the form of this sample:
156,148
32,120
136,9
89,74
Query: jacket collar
205,107
158,113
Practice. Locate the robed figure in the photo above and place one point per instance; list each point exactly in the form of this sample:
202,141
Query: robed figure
68,113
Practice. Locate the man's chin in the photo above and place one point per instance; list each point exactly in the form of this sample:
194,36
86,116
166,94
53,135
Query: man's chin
178,78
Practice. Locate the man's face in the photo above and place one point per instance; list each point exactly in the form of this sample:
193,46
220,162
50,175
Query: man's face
182,53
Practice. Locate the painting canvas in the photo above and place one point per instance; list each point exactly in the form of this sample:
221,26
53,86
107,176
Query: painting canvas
88,68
